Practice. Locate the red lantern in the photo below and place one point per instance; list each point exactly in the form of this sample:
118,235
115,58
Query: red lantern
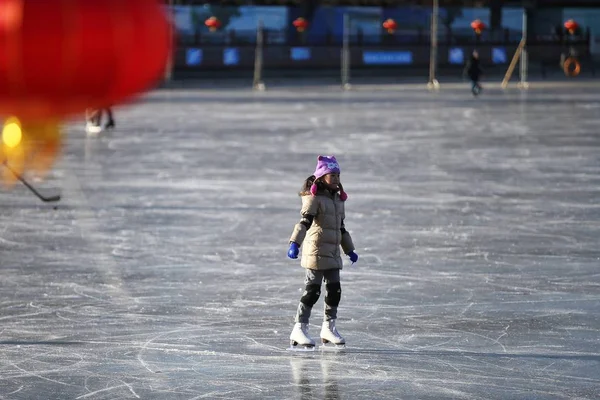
59,58
478,26
93,54
213,23
571,26
390,25
301,24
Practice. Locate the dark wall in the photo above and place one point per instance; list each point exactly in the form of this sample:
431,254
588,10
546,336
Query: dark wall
282,57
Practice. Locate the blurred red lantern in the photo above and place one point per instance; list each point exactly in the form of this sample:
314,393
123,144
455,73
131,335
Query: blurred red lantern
212,23
390,25
571,26
301,24
478,26
58,58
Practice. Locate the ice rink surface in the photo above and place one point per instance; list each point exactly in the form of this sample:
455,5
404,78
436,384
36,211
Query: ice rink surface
163,272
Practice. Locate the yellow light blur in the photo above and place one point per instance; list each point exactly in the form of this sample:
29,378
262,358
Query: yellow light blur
11,133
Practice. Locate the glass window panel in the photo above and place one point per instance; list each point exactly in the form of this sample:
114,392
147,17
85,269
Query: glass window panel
238,23
512,23
457,20
365,22
587,18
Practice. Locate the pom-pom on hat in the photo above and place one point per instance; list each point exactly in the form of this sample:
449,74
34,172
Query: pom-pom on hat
327,165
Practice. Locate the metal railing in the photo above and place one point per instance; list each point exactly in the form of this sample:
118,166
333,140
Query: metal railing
401,37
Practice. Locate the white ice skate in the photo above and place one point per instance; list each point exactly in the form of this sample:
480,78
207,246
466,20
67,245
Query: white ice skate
299,338
330,335
92,129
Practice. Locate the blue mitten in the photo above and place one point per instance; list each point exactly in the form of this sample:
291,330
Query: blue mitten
294,250
353,257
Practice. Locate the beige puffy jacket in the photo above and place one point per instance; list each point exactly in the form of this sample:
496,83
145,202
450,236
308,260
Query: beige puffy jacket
321,242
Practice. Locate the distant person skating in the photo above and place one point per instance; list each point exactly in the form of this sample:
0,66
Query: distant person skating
94,120
473,71
110,124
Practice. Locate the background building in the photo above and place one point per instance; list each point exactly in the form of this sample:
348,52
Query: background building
232,45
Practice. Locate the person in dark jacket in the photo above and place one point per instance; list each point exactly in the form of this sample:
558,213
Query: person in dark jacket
110,124
473,71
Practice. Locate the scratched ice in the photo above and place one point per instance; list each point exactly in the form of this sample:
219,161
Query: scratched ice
163,273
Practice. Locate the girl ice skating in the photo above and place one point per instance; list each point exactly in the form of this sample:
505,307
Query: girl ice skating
320,233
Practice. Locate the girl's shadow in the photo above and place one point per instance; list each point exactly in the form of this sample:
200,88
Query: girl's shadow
303,374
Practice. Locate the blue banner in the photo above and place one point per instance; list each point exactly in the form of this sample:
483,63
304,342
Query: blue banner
387,57
231,56
193,56
499,55
300,53
456,55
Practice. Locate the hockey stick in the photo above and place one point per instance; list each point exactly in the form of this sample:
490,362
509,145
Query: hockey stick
24,182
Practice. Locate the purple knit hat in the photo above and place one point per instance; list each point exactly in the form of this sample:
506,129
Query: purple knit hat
327,165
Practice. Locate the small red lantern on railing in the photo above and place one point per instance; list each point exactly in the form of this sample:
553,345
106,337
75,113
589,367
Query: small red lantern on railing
390,25
478,26
301,24
571,26
212,23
